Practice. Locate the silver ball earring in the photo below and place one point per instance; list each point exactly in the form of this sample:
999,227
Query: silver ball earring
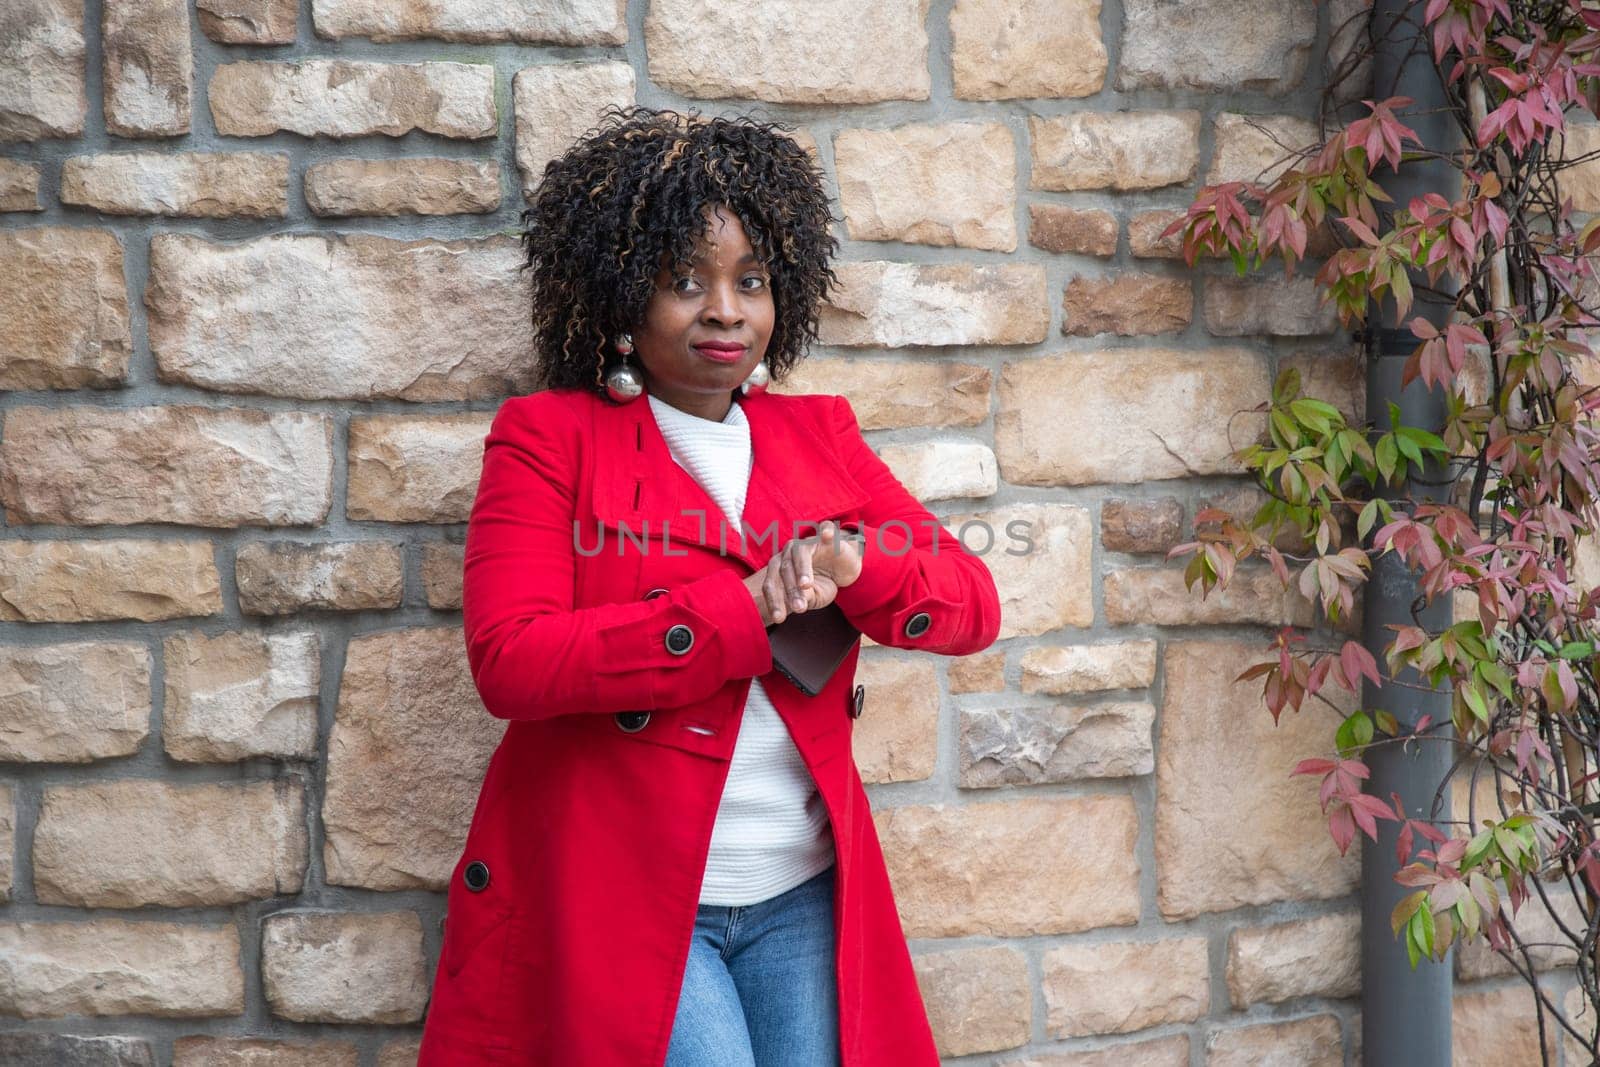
622,381
757,381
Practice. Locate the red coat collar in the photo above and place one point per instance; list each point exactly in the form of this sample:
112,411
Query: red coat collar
796,475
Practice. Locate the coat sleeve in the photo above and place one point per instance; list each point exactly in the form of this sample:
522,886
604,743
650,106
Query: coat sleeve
531,653
911,565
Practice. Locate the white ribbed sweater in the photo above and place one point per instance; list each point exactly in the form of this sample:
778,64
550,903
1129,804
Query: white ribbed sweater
772,830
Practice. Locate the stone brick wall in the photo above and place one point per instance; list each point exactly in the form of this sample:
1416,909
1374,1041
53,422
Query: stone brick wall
259,300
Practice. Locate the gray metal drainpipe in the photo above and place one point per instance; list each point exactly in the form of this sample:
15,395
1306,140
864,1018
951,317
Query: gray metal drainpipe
1405,1014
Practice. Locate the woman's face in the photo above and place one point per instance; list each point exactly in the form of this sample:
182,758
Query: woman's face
722,298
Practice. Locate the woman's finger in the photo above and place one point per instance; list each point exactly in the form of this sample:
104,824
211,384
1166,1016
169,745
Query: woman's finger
772,586
792,552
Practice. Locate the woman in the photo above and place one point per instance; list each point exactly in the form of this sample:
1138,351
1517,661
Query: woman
672,859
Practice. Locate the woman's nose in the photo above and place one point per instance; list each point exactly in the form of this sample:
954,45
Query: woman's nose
722,305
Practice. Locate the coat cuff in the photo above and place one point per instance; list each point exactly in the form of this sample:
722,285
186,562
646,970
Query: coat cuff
887,567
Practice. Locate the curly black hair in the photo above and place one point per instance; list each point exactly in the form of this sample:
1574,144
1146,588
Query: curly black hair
629,196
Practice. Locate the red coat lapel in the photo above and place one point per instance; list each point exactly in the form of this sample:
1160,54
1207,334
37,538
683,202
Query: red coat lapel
796,476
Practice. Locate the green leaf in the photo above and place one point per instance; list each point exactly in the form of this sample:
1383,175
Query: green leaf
1287,385
1404,910
1369,515
1473,695
1353,733
1387,458
1408,448
1288,430
1314,413
1495,675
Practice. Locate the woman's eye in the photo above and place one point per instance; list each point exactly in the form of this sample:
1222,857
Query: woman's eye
756,278
681,278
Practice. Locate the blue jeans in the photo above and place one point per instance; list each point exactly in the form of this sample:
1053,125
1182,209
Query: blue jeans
759,989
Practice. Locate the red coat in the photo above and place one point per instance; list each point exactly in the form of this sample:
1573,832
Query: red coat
570,910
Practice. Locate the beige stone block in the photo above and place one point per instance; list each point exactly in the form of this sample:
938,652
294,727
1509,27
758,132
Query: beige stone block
1117,987
978,999
422,468
1242,501
285,577
1279,307
179,463
896,739
1257,148
63,307
1042,564
42,82
129,842
1006,50
895,394
38,1048
951,183
1309,1042
1084,232
341,188
1160,1052
932,853
1120,150
343,967
900,304
1139,414
1060,743
238,695
1497,1027
406,757
1068,669
1262,45
402,1052
1348,61
943,469
1141,526
555,104
205,1051
352,98
1144,234
73,702
1157,595
19,186
572,22
148,67
1126,305
1547,937
120,967
790,51
214,185
442,566
341,316
1337,374
1581,1015
1317,957
108,578
983,672
1580,181
1265,821
248,21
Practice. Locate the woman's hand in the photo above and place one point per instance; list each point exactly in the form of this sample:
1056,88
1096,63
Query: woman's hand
805,574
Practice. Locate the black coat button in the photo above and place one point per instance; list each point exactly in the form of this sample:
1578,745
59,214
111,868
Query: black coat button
657,591
631,722
679,638
476,876
918,624
858,698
